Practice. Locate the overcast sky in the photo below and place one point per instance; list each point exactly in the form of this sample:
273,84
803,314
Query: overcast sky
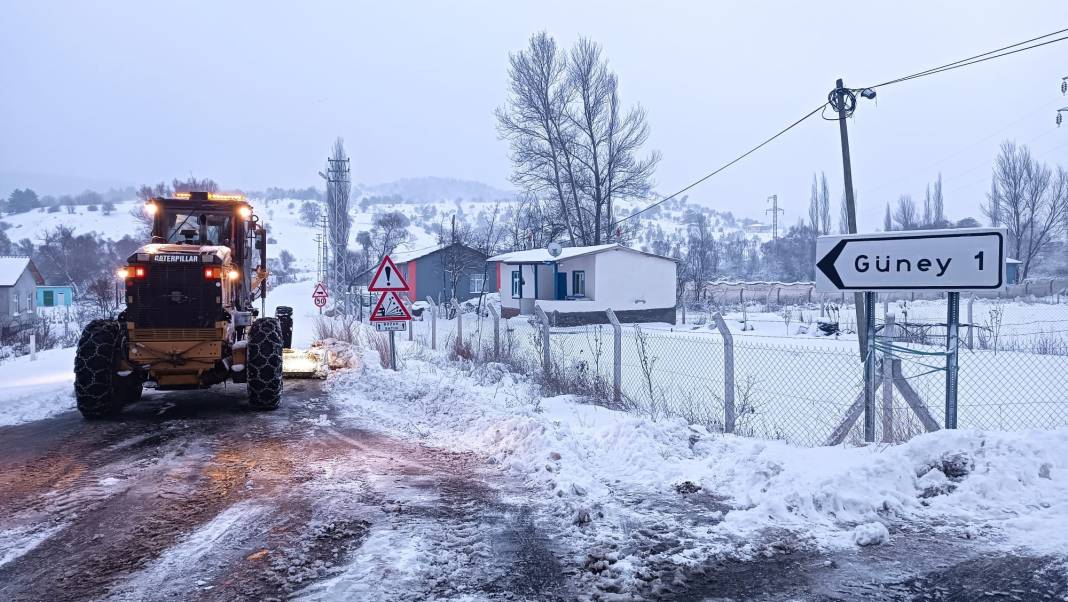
253,93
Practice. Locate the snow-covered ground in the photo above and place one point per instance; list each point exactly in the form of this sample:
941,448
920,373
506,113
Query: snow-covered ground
588,463
32,390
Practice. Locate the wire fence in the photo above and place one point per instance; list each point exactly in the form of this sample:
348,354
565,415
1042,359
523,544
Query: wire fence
763,375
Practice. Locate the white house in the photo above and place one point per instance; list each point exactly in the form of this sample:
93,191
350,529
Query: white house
582,282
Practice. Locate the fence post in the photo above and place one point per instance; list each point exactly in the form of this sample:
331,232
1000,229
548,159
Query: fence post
496,331
433,322
545,356
33,347
459,322
728,373
952,353
617,356
888,379
971,302
869,367
411,323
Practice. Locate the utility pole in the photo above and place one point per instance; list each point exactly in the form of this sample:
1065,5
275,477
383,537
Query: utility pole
845,101
774,211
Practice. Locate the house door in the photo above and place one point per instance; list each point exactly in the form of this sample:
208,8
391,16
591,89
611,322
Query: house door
561,286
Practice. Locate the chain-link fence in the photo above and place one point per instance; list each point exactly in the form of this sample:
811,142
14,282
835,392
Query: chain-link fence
794,374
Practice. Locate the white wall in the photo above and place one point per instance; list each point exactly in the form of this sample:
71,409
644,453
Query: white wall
586,263
626,278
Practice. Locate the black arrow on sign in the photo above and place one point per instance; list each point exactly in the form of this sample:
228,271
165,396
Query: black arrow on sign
826,265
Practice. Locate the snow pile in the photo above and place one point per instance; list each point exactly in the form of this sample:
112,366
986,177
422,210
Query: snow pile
32,390
584,456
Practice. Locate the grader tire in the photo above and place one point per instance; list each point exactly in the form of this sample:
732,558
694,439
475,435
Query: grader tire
99,391
264,364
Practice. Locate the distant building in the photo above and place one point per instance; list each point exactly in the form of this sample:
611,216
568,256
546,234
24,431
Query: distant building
582,282
55,296
1012,270
19,279
433,272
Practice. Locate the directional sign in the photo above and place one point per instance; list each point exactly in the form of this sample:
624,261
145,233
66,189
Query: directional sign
319,295
389,308
941,260
387,277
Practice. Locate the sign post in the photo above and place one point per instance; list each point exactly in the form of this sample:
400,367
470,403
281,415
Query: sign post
389,314
949,261
320,296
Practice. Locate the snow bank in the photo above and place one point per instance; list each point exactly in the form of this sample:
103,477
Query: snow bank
1007,484
32,390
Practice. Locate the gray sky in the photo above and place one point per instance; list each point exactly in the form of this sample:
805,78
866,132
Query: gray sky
253,93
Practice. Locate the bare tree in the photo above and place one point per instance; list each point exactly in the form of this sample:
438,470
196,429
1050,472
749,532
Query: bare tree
825,206
888,220
905,213
1027,200
938,205
570,139
814,206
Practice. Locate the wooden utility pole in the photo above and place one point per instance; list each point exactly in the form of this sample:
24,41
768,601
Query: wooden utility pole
844,102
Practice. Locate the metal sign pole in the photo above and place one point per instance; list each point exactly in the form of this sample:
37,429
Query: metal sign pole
869,367
952,349
392,351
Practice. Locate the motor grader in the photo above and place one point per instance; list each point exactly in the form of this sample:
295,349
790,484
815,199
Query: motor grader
190,318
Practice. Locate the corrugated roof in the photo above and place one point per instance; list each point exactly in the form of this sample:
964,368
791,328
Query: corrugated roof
11,268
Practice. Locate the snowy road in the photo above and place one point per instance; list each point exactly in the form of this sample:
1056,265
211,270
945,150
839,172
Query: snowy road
191,496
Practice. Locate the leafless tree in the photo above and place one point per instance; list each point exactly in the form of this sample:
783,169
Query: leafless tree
339,222
194,184
1027,200
701,262
825,206
571,141
905,213
814,206
390,230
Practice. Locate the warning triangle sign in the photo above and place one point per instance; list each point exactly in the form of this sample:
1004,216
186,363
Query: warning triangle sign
320,290
389,308
387,278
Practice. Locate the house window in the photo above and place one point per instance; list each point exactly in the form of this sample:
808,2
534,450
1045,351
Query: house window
478,281
578,283
48,298
517,283
16,307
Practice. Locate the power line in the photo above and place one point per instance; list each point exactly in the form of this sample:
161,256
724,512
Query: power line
979,58
724,166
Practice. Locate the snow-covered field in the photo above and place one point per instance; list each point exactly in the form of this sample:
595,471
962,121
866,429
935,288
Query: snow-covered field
32,390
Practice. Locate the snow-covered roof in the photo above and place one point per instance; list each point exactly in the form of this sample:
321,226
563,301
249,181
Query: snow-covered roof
1011,260
406,256
11,268
542,255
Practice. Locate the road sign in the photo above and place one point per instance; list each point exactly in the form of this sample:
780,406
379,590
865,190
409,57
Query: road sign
319,295
933,260
395,326
389,308
387,277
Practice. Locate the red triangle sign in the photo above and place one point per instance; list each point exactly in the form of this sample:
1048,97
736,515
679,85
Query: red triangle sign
387,278
320,290
389,308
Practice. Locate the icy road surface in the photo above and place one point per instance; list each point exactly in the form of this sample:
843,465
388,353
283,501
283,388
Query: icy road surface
190,496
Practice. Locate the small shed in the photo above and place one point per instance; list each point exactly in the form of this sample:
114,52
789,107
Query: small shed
1012,270
580,283
19,278
55,296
